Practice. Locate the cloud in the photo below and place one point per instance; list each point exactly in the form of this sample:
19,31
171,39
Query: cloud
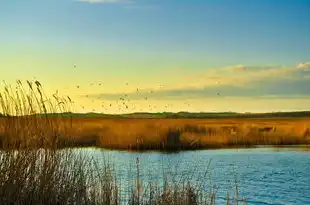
241,75
274,81
104,1
141,6
267,89
305,66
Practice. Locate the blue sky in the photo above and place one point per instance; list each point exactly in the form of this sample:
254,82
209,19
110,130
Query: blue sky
219,55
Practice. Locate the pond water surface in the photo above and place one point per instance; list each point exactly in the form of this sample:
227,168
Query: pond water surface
265,175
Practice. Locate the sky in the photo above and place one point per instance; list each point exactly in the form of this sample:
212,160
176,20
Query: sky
161,55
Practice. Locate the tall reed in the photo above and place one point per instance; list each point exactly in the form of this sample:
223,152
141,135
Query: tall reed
26,123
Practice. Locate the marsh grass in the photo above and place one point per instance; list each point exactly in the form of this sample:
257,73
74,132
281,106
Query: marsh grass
34,171
25,122
181,134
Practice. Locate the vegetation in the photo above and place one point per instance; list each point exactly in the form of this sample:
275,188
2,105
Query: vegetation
34,171
165,134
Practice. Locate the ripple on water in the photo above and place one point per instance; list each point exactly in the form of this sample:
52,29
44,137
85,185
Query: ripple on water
265,175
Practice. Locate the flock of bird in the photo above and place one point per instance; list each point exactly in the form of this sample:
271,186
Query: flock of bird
123,102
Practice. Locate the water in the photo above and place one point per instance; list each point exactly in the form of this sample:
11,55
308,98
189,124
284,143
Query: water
266,175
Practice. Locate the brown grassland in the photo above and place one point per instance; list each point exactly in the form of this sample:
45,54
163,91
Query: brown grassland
167,133
187,133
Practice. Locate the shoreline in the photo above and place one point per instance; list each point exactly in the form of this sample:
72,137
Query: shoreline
189,150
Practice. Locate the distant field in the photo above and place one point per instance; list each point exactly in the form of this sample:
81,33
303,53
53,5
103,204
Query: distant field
188,115
182,133
122,133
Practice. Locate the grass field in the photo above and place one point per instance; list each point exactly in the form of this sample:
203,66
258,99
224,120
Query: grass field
186,133
161,134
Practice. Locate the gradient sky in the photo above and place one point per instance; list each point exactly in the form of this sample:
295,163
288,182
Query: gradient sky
197,55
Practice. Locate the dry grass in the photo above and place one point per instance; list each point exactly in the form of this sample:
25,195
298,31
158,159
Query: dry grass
52,177
188,133
23,124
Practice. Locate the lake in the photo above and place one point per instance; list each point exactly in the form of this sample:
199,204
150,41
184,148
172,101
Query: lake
264,175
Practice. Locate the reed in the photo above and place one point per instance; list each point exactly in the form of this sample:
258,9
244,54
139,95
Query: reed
25,122
180,134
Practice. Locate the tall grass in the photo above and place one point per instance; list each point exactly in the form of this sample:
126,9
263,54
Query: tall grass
25,108
168,134
34,171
